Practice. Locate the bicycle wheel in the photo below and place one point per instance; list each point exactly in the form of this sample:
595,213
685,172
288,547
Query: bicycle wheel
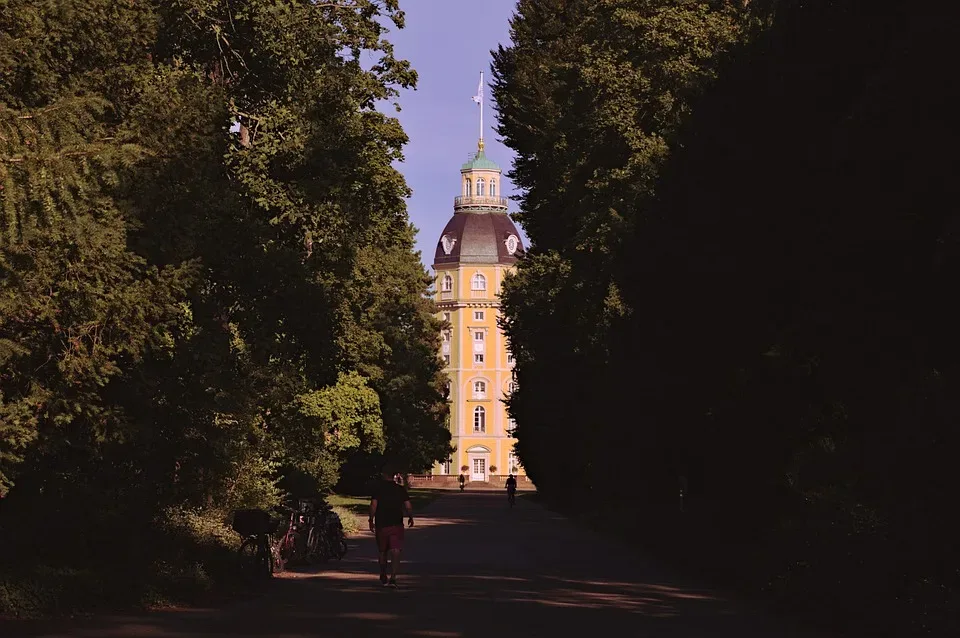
323,547
254,563
311,554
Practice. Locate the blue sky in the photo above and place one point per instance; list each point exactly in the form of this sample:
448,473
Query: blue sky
448,42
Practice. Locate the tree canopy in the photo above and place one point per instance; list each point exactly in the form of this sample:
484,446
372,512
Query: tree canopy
209,294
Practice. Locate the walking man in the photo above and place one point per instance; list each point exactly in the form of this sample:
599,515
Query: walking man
386,522
511,490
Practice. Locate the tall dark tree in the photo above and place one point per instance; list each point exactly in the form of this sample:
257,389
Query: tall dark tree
587,94
393,339
786,351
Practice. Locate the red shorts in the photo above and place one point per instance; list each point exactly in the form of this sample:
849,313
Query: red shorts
390,538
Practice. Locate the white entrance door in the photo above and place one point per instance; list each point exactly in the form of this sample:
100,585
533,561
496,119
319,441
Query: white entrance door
479,470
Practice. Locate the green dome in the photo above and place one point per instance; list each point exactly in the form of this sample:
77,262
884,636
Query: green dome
480,162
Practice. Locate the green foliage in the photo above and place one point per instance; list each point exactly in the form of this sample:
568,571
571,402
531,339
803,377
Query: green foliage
208,291
393,339
75,302
189,553
331,423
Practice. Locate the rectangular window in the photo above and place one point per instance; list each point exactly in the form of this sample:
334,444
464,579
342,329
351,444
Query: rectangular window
446,317
478,335
510,359
478,315
446,336
479,420
446,359
478,358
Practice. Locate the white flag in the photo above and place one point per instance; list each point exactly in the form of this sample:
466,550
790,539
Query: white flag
478,98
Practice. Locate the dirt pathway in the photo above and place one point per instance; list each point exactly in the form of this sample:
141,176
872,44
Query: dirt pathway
474,568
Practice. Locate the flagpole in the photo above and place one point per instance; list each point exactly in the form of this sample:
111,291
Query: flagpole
481,110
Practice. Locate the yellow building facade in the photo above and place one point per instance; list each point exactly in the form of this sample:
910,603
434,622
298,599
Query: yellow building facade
476,249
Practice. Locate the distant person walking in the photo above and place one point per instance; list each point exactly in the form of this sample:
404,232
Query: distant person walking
463,481
386,521
512,490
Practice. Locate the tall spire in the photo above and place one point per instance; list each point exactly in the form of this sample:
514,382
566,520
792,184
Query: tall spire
478,98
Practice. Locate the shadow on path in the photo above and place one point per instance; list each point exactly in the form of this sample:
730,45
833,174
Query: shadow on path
473,567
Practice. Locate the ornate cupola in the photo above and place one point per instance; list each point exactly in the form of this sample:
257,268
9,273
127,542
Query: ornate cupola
480,185
480,231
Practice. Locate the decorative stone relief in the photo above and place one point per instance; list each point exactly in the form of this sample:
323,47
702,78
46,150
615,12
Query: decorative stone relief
512,243
448,243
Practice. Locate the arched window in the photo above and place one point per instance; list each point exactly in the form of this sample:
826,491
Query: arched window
479,419
479,187
479,390
447,284
493,188
467,187
478,282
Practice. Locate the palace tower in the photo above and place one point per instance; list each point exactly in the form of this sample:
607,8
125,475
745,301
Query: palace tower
478,246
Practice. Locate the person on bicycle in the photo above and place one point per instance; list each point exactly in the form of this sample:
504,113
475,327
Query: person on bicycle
386,521
511,488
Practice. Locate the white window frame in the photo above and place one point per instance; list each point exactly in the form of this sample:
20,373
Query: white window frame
493,188
478,357
479,389
468,187
478,335
478,315
480,187
478,282
447,283
446,359
479,419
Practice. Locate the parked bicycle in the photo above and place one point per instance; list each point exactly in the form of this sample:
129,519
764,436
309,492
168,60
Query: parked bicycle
259,558
330,541
292,544
308,533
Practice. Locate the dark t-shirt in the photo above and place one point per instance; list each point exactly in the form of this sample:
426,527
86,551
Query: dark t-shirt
390,499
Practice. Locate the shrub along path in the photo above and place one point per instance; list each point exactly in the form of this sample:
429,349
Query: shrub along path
474,568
